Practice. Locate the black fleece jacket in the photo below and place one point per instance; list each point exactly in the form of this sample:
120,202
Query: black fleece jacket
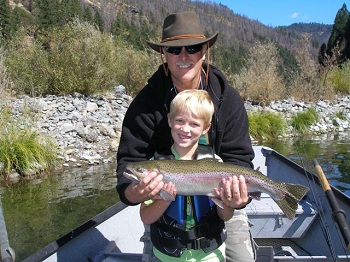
145,126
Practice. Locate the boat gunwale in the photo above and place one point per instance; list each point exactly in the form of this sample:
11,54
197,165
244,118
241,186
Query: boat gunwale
52,247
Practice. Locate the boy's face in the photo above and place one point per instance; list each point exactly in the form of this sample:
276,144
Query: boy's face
186,128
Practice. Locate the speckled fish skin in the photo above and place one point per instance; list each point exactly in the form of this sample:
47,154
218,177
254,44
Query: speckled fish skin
200,177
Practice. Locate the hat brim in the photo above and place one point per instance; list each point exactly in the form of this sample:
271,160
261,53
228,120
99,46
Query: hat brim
183,42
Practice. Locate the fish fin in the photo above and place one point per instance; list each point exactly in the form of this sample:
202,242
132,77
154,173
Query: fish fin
166,195
208,159
217,201
255,195
290,198
288,205
299,191
257,169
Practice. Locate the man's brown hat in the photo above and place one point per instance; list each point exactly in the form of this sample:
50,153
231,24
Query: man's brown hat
182,29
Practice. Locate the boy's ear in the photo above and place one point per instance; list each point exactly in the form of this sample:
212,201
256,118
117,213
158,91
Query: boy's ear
205,130
169,122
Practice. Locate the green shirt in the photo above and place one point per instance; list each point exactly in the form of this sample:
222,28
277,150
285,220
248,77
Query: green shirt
190,255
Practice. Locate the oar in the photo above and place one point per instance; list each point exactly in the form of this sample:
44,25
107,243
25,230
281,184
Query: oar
338,214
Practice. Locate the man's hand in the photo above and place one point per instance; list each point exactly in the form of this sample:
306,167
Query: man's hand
148,188
233,192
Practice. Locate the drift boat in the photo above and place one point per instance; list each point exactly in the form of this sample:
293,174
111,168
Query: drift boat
319,231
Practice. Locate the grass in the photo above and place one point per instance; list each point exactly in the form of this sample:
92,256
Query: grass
302,121
22,150
266,125
340,115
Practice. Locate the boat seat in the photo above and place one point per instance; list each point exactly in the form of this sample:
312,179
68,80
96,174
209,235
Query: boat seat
264,254
268,221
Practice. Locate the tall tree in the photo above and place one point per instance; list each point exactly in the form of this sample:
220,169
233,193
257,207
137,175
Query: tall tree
20,17
337,38
5,19
87,15
98,20
68,10
47,13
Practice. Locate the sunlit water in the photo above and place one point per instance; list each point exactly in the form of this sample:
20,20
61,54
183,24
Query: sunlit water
40,211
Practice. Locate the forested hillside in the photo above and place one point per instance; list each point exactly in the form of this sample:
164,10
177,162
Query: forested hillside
236,31
56,46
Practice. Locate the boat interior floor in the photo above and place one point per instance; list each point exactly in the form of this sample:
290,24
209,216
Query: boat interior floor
286,250
272,250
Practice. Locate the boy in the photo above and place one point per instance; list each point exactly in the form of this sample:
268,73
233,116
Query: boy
191,228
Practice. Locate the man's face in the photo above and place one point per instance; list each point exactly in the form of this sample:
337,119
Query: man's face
185,68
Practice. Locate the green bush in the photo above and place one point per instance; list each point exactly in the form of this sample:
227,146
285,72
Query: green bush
23,150
27,63
80,59
76,58
135,67
340,78
266,125
301,121
341,115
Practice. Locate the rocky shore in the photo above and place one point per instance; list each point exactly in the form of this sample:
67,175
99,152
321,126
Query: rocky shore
87,129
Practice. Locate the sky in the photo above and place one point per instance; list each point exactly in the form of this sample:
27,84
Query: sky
286,12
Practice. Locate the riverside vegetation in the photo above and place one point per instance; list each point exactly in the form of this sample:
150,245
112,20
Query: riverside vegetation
78,58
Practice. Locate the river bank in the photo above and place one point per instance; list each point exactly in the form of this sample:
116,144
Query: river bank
87,129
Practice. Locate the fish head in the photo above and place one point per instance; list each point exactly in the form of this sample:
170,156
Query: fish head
137,171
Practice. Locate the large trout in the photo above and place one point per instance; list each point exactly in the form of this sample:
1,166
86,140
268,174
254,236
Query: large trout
200,177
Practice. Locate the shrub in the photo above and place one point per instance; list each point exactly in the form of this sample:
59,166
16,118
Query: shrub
76,58
5,83
265,125
259,79
340,78
134,67
301,121
23,150
341,115
306,83
80,59
27,64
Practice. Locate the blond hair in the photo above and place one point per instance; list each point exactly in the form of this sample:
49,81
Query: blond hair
198,102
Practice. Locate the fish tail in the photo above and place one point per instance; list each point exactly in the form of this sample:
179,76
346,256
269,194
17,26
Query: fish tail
291,195
298,191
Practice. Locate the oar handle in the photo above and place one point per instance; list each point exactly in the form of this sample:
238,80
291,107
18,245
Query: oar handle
321,176
339,215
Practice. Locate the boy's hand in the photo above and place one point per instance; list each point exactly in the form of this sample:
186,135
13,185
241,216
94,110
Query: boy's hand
170,188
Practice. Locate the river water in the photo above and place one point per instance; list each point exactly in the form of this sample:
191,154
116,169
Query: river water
40,211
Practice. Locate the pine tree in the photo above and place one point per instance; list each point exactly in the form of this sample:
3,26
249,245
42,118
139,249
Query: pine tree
48,13
98,20
68,10
87,15
5,19
337,37
346,51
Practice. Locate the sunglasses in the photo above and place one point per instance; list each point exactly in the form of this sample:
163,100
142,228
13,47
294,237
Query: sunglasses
176,50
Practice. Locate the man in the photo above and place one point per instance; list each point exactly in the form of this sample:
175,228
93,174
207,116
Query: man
145,128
